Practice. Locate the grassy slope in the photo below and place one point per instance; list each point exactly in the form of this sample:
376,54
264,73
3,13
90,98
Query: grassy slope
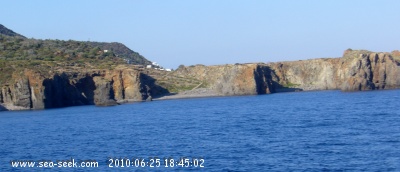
18,53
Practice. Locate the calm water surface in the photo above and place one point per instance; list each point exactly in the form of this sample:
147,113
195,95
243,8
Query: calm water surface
302,131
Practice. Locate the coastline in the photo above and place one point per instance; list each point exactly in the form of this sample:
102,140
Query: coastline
189,94
196,93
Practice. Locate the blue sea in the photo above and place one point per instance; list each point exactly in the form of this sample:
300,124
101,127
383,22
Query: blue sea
298,131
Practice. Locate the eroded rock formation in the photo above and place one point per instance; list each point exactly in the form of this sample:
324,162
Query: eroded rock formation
32,90
355,71
239,79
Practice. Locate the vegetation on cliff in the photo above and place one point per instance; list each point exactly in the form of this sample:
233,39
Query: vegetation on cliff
122,51
18,53
37,74
176,82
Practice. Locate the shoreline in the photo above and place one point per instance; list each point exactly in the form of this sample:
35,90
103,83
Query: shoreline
190,94
197,93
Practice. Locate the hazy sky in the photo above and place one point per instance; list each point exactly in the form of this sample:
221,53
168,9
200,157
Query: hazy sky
214,31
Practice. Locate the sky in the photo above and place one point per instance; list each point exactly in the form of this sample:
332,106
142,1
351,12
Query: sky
213,32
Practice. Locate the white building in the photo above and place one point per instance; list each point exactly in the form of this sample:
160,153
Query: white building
148,66
128,61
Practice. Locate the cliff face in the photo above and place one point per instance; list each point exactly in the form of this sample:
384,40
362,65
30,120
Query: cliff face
355,71
240,79
371,71
317,74
32,90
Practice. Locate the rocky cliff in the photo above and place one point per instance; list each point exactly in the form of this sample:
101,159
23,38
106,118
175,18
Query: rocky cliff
355,71
39,74
238,79
34,90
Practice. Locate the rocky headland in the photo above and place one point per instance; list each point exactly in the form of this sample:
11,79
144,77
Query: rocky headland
355,71
35,90
80,78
